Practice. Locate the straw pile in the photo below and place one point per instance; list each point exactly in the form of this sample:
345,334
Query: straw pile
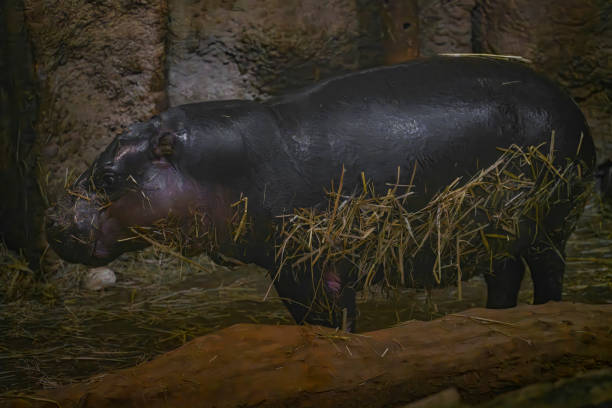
16,277
466,226
57,331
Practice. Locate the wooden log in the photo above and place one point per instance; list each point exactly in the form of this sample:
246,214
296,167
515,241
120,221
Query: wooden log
481,352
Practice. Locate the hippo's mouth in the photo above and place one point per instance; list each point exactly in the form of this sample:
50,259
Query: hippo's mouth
101,253
79,233
87,231
72,245
73,231
74,249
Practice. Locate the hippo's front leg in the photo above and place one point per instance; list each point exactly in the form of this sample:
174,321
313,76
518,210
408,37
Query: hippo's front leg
339,294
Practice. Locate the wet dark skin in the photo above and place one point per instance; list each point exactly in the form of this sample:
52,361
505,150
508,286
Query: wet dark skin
444,116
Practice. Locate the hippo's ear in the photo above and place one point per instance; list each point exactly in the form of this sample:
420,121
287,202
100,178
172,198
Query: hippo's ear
162,145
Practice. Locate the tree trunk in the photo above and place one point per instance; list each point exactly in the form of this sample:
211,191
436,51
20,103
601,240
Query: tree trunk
481,352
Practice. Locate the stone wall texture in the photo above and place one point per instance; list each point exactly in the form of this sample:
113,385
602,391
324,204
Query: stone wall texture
100,66
251,49
97,66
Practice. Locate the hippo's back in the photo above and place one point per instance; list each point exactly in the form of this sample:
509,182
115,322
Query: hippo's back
446,115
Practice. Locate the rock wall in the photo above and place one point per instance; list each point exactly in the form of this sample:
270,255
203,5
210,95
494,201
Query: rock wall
400,30
223,49
100,66
20,199
445,26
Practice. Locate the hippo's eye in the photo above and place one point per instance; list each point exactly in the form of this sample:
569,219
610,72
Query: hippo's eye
108,179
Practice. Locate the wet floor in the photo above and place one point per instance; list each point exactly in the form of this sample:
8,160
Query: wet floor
66,333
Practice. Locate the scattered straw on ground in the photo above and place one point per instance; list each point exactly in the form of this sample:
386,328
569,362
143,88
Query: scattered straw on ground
57,331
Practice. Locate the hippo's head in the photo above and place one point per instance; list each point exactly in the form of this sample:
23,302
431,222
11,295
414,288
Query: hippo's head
139,182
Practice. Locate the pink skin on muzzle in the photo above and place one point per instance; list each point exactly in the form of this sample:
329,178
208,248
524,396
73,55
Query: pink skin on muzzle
166,194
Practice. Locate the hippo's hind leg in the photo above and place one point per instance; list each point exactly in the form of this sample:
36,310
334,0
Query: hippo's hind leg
547,266
546,261
504,282
546,256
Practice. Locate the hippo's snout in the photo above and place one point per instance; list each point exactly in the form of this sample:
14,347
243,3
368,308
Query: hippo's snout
71,229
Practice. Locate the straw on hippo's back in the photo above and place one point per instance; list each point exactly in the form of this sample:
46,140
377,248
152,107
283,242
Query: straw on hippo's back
444,117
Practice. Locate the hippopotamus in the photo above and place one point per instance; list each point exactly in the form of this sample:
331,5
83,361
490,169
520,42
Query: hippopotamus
434,118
